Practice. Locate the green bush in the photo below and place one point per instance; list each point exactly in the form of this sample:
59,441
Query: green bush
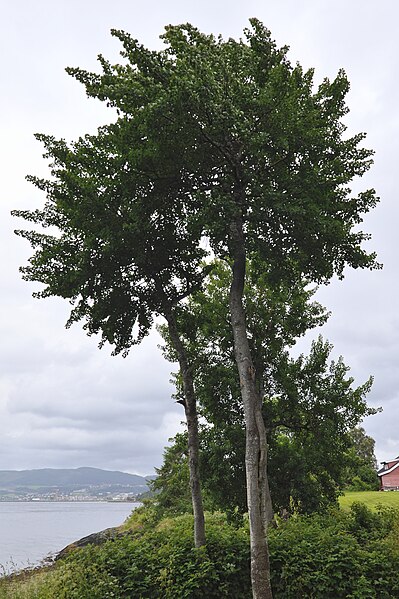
353,556
159,562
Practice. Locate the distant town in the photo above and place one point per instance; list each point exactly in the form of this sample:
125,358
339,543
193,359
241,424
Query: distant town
79,484
78,495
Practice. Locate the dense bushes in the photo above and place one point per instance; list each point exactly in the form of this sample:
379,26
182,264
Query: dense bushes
353,556
162,562
337,556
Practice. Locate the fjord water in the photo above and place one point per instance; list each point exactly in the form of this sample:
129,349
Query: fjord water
30,531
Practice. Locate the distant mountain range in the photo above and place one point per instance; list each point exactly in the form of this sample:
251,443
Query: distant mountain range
69,480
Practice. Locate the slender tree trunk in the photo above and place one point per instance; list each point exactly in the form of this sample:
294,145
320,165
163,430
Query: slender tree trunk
258,495
190,408
267,513
266,505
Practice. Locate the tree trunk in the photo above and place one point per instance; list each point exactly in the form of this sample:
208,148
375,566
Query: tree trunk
258,495
190,408
267,513
266,499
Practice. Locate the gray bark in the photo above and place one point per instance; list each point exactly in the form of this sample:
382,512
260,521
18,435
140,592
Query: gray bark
190,408
258,495
267,506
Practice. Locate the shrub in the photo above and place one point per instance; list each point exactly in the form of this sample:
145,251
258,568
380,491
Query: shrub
159,562
338,556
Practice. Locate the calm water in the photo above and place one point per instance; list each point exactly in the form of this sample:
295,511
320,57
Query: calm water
32,530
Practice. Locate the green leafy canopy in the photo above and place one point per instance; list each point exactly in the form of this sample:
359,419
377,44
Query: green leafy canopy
132,202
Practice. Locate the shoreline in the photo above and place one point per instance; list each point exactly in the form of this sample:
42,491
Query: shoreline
14,573
48,562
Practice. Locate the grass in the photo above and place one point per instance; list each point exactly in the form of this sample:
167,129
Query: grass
371,499
24,586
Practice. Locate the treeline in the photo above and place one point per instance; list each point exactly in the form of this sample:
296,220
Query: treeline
298,485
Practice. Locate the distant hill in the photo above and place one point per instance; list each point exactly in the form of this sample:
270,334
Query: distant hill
68,476
70,479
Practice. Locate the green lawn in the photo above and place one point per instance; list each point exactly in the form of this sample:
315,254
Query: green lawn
370,498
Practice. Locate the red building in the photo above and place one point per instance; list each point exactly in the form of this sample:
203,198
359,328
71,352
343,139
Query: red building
389,475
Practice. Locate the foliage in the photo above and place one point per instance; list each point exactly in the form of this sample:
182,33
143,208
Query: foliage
361,463
171,486
309,403
310,417
363,446
338,555
194,120
314,412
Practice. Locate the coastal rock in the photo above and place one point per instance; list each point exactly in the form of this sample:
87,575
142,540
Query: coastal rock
96,538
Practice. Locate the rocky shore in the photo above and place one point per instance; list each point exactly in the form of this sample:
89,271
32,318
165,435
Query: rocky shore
96,538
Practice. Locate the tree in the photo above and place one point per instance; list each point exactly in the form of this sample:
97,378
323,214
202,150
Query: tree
275,318
361,463
123,253
309,403
171,487
259,164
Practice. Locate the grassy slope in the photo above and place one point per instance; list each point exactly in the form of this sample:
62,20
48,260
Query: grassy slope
370,498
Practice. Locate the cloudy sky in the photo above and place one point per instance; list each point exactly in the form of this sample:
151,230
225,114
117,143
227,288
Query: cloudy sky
65,403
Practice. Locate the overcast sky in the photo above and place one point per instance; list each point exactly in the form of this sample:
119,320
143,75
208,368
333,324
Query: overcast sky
64,402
